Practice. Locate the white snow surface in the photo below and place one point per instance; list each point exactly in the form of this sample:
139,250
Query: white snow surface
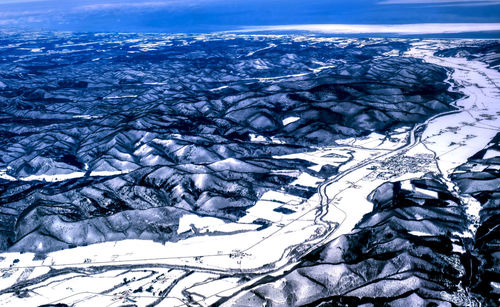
220,246
290,120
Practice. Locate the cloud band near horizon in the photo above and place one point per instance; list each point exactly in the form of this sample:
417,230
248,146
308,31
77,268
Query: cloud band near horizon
404,29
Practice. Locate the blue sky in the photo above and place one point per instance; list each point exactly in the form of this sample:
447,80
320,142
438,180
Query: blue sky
220,15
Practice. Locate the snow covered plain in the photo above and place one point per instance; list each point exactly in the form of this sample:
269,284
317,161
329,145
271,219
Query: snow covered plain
198,270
